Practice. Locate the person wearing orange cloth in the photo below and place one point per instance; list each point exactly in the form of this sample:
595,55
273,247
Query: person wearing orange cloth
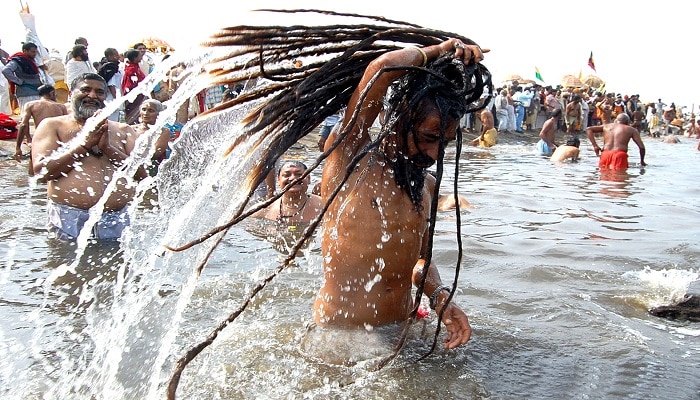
616,137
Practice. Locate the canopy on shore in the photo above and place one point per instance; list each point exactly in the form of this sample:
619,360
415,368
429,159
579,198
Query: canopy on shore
512,77
592,81
155,44
571,81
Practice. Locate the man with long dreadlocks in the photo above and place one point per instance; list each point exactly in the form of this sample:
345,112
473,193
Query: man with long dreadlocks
379,203
375,232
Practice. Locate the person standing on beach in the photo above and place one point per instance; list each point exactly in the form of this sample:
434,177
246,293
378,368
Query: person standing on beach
78,64
616,137
573,114
604,109
77,176
23,74
326,127
4,87
4,56
501,105
546,146
111,71
37,110
132,77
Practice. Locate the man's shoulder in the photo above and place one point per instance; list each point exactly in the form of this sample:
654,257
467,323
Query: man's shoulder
59,119
121,127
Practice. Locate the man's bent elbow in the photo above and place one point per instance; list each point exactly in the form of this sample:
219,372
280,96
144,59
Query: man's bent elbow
417,275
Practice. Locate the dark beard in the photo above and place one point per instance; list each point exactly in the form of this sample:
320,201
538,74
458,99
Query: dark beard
410,177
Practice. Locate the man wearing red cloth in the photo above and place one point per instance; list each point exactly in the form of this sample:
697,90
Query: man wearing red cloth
23,75
616,137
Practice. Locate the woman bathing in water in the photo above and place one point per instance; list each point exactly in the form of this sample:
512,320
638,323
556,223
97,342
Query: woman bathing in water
296,205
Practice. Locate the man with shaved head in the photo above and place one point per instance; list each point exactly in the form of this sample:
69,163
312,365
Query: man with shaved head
616,137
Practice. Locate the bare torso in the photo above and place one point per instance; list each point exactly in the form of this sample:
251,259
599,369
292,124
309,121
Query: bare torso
573,109
617,136
548,131
309,210
42,109
563,153
83,186
366,276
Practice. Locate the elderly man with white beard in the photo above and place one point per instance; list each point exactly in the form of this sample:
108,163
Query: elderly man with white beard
77,175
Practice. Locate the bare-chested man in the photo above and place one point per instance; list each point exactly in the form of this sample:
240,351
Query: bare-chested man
375,232
616,137
77,176
567,152
638,119
604,108
489,134
38,110
546,146
573,114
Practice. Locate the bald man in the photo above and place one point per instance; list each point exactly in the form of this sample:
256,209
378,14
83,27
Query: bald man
616,137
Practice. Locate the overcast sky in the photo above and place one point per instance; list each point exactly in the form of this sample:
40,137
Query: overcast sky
636,50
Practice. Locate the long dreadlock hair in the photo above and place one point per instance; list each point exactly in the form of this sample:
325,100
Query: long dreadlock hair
300,98
448,84
295,100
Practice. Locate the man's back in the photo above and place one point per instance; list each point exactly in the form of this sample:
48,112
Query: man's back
41,109
616,136
548,130
564,153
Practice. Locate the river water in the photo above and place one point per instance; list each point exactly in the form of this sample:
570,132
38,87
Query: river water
560,268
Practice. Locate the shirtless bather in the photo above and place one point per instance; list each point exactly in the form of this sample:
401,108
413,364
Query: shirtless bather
616,137
77,178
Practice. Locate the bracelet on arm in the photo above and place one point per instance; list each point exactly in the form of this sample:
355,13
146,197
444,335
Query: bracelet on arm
425,56
434,296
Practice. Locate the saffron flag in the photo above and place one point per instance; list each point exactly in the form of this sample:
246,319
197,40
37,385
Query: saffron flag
591,63
538,75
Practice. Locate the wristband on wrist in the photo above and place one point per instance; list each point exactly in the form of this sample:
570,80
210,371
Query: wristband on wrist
434,296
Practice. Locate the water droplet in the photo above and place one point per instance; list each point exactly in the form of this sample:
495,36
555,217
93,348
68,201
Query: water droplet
371,283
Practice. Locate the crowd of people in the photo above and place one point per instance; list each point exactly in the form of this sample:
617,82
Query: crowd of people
392,180
519,107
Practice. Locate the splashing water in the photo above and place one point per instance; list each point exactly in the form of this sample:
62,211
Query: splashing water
667,286
153,286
